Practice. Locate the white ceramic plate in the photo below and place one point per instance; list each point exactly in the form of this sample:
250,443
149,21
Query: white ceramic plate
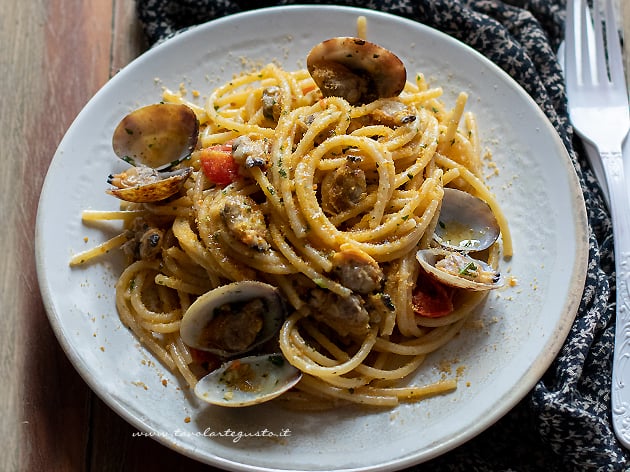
517,333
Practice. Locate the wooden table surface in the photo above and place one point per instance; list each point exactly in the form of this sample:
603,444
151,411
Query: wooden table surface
54,55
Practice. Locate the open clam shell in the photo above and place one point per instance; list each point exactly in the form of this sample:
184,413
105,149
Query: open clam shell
466,223
157,136
233,319
356,70
248,381
459,270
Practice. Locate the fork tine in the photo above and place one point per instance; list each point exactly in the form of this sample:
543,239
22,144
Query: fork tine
585,45
615,60
571,48
600,47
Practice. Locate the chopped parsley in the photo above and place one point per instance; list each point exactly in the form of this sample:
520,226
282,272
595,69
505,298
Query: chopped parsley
469,269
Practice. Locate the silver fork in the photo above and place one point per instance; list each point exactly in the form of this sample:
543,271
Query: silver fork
598,108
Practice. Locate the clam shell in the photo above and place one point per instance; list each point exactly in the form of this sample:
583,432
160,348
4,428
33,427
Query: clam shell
198,316
428,259
248,381
356,69
158,136
466,223
160,185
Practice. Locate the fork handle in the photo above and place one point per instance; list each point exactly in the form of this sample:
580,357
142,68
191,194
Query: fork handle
620,215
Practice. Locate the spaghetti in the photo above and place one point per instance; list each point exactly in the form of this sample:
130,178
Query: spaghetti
326,201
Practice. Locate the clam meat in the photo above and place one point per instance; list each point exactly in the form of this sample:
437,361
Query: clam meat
357,270
355,69
233,319
248,381
466,223
459,270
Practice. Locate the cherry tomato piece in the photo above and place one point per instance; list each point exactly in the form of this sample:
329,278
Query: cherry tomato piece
218,164
430,298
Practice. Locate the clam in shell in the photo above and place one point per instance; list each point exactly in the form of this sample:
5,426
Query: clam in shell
356,70
153,139
248,381
144,184
459,270
233,319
